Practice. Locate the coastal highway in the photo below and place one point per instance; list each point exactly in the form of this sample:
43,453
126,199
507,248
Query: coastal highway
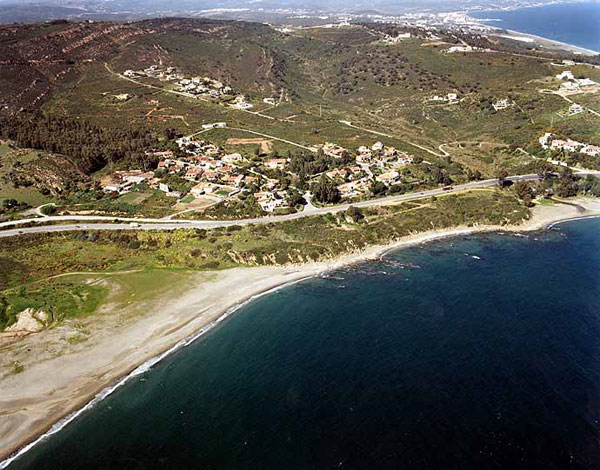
125,223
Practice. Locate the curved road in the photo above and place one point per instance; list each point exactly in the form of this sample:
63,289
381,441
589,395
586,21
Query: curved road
126,223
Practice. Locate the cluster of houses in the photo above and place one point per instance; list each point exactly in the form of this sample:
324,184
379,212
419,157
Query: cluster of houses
569,145
377,162
205,87
206,163
202,87
571,83
155,71
388,39
450,98
213,171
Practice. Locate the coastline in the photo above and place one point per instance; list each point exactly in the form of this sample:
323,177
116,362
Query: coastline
547,43
45,397
554,44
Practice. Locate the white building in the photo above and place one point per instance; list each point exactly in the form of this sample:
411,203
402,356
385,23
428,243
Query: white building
566,75
389,177
454,49
502,104
232,158
591,150
214,125
569,86
586,82
275,163
377,146
576,109
544,140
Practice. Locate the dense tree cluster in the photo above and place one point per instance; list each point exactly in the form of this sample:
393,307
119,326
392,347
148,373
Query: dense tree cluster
308,164
355,214
524,192
326,191
389,67
89,146
12,205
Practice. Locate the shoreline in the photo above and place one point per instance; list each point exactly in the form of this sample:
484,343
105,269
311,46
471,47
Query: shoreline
577,50
547,43
53,399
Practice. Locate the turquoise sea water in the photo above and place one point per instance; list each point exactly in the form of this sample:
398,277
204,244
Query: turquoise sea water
573,23
480,352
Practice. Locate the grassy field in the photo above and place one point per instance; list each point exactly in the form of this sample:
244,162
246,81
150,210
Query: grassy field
59,300
8,158
142,202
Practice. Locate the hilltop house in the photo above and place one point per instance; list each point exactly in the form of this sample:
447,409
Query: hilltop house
576,109
502,104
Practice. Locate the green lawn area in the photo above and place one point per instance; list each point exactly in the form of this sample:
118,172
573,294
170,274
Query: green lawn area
545,202
60,299
8,157
145,202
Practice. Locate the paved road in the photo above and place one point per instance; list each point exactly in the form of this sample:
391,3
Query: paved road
117,223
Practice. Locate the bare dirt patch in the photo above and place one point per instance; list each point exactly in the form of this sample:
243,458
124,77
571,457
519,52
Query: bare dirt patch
199,203
266,145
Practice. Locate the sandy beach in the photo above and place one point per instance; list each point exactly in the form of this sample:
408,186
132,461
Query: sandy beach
51,388
551,44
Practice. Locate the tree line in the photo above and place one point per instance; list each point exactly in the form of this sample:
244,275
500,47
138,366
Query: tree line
89,146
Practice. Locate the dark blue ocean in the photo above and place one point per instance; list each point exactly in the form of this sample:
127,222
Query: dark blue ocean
573,23
481,352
